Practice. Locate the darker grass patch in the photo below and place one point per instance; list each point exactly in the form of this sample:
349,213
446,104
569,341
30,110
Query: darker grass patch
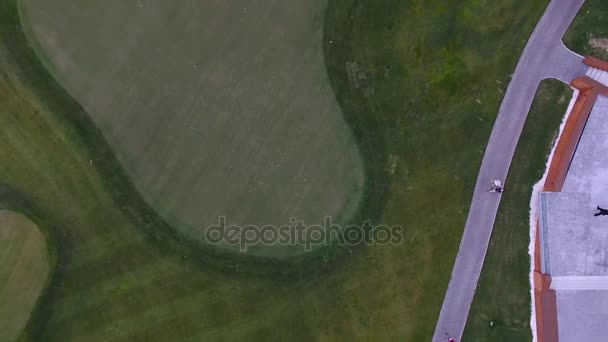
590,24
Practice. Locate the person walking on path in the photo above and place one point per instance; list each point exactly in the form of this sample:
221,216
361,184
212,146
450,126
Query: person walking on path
447,337
602,212
496,186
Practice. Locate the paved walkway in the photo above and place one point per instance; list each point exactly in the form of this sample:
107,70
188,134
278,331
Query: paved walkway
545,56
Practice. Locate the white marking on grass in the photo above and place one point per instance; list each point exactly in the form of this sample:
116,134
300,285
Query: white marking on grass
536,190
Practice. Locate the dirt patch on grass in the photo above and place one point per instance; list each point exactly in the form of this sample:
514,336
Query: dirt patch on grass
599,43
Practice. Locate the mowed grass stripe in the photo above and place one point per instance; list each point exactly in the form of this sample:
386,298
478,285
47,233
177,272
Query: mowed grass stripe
170,288
122,264
254,318
159,275
299,327
23,272
195,305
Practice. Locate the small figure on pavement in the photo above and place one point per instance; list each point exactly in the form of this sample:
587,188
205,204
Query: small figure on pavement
602,212
496,186
447,337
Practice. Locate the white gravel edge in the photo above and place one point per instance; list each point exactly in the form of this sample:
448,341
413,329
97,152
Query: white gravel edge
536,189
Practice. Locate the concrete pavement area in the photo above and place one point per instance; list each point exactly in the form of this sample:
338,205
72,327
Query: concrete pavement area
574,242
544,56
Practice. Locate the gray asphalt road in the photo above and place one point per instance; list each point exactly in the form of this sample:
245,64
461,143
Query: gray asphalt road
544,56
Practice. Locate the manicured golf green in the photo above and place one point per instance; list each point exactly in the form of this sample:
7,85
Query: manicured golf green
213,108
24,267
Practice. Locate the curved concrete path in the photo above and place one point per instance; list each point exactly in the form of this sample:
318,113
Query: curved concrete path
545,56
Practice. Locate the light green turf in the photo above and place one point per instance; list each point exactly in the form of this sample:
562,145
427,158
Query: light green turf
24,267
214,108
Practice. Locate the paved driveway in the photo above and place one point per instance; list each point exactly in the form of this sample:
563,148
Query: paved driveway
545,56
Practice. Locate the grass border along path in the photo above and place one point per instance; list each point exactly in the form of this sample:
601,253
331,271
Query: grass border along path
503,293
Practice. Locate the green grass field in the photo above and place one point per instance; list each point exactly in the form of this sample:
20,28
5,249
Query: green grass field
213,109
24,268
419,84
503,293
588,34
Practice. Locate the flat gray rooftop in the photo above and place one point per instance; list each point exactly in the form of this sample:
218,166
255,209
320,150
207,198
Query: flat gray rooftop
582,316
574,243
589,169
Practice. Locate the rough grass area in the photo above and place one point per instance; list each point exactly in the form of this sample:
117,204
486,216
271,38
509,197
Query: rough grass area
214,108
436,74
503,293
419,82
588,34
24,267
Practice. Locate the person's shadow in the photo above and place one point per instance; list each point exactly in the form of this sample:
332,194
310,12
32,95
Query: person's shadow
602,212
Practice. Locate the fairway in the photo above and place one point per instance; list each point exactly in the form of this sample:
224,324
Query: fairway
24,267
215,108
419,83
